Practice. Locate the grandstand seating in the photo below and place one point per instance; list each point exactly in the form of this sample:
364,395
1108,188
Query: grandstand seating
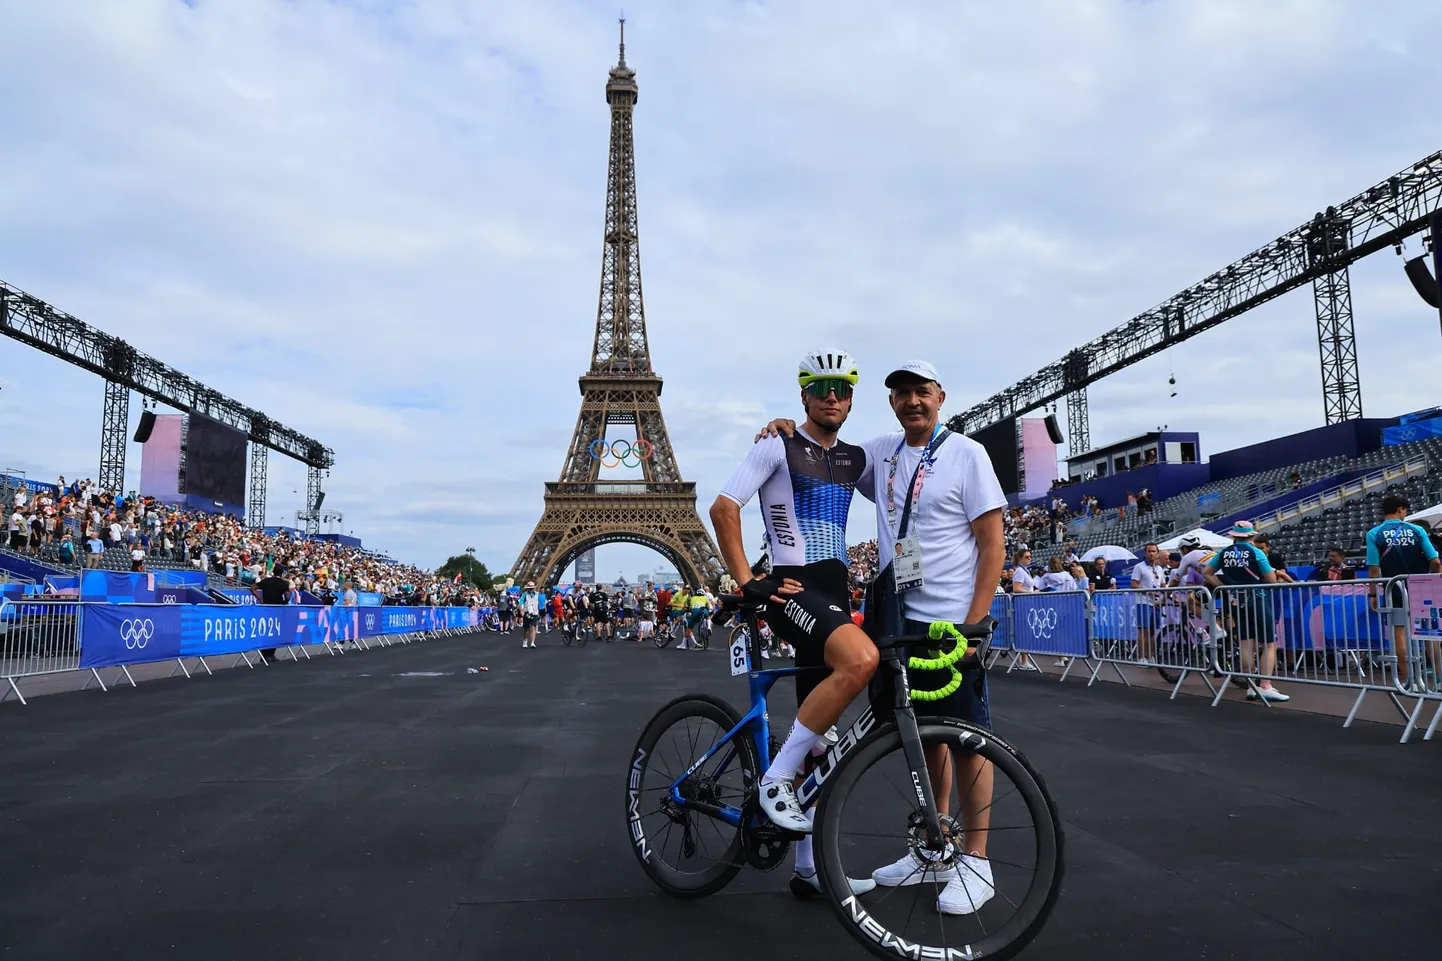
1303,543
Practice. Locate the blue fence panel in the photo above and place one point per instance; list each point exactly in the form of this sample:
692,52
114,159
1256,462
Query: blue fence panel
1114,616
134,633
1001,639
1050,623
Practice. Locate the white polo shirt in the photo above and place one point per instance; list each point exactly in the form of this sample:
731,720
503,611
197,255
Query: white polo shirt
960,486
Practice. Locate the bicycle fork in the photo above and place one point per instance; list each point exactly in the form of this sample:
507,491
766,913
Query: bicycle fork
915,754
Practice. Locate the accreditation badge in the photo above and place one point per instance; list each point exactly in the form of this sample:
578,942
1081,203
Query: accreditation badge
906,564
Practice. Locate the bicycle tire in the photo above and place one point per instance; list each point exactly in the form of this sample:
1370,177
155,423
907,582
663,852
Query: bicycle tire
566,637
700,641
662,638
1050,838
665,877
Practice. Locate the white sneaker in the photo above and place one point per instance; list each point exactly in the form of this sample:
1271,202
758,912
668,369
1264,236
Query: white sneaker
1026,666
778,802
967,893
1272,694
908,870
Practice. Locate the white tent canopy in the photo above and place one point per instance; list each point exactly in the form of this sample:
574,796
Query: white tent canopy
1208,539
1431,517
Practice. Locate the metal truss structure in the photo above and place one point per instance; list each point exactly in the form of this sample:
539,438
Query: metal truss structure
582,510
31,321
1319,252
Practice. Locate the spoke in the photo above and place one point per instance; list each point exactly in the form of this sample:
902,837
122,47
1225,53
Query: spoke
995,800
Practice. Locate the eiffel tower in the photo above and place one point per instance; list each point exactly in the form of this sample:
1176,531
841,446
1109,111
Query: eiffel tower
582,510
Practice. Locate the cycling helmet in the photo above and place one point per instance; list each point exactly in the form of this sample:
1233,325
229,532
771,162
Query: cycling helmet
824,364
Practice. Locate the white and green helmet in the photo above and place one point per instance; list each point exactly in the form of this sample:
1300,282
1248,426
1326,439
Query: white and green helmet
827,365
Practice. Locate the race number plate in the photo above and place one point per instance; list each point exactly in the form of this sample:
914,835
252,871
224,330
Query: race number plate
738,654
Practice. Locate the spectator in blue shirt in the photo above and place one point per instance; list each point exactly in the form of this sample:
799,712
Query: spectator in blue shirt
1396,548
1249,613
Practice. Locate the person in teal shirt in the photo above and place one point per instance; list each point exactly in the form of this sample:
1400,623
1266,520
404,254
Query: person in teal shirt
1245,564
1396,548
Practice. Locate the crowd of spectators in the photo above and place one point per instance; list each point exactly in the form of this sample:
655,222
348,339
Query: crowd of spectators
80,521
863,563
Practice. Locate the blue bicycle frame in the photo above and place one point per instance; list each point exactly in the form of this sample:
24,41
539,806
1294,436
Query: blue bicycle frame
759,722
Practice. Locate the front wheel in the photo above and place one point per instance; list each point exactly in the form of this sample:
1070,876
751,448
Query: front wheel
986,892
687,853
662,635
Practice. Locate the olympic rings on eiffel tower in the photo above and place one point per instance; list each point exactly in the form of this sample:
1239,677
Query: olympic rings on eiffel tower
631,456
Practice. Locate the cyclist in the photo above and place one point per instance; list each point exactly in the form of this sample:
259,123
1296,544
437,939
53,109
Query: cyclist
700,607
805,483
680,600
647,622
601,612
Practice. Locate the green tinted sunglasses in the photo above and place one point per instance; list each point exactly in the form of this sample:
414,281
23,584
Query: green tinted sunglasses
820,388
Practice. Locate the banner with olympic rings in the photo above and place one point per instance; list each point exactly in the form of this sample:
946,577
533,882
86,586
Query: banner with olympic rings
621,453
111,635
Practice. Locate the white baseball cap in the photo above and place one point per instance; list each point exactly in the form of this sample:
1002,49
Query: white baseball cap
912,370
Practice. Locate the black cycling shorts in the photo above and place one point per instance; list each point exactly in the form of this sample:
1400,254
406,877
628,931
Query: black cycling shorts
807,619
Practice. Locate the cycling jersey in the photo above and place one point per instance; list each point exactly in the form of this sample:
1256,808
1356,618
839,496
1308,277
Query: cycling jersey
1189,573
1398,547
805,495
805,492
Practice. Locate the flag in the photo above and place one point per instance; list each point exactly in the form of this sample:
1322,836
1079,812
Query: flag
457,579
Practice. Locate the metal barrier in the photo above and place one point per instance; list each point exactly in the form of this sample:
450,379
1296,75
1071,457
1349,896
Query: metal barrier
1346,634
1420,669
45,636
1170,629
1052,623
38,636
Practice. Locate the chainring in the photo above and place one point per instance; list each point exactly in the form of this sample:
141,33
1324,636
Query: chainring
763,844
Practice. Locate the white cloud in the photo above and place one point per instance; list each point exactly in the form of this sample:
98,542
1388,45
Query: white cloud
381,222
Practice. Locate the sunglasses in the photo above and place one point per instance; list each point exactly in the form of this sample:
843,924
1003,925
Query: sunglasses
820,388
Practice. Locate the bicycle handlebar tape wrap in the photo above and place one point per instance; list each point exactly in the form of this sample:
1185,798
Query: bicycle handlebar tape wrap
937,631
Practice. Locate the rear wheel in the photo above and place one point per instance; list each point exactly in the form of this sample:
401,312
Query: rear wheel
689,854
869,818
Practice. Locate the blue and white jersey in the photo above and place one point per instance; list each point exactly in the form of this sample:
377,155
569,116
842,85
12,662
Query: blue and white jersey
805,495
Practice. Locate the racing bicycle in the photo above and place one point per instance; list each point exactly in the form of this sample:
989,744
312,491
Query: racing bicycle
676,630
694,820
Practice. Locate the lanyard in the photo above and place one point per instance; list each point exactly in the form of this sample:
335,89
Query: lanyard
918,477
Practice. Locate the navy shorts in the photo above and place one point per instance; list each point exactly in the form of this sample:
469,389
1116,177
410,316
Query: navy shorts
1146,615
970,702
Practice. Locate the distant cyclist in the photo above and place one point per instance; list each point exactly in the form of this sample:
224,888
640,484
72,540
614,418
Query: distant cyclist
805,483
700,607
601,612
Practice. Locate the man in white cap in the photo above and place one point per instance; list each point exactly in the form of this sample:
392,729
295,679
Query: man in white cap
530,604
938,500
1244,564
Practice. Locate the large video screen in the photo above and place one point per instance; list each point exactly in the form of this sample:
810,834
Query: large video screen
215,461
1000,443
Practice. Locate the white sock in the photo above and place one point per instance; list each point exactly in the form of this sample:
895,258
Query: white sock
788,760
805,863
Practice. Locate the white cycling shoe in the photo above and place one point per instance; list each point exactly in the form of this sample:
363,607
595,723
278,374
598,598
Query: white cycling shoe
804,887
778,803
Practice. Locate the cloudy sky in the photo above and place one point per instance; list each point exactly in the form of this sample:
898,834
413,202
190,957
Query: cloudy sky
380,222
